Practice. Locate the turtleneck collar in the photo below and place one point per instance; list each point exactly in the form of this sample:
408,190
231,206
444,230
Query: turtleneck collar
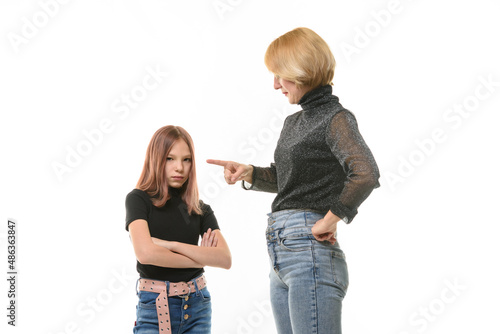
317,97
175,192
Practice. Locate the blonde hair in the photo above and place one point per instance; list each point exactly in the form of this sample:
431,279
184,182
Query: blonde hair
153,179
303,57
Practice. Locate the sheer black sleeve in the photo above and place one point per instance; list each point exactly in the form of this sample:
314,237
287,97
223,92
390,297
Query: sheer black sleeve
358,163
263,179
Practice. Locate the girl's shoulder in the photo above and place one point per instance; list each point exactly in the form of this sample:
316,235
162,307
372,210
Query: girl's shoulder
136,195
205,209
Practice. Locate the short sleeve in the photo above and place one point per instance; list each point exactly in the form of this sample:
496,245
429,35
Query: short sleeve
208,219
136,207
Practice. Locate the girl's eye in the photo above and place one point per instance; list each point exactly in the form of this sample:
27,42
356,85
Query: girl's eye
169,158
187,159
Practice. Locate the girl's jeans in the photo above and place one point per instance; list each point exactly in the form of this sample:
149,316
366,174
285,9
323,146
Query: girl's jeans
189,313
309,278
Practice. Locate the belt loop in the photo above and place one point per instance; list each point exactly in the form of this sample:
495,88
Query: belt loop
167,283
136,285
195,287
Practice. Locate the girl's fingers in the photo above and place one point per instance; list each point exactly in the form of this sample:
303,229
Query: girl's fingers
211,238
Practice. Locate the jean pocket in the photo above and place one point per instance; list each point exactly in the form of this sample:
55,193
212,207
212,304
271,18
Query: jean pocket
340,271
144,306
296,243
147,300
205,294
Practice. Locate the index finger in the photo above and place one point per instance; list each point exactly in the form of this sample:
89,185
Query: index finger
222,163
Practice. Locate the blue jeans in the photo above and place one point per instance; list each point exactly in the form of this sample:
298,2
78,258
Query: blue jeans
309,279
193,319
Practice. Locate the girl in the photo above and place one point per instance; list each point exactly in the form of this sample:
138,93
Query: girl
165,219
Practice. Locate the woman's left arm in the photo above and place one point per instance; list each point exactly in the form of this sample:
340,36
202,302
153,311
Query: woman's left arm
213,250
350,149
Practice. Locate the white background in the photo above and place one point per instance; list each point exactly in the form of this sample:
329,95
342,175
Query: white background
422,252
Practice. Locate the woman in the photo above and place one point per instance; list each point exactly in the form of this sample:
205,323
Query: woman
165,219
323,171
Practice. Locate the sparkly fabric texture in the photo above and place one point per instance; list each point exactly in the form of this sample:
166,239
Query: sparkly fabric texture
321,160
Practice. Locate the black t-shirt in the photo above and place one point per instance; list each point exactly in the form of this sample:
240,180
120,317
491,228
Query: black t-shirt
170,222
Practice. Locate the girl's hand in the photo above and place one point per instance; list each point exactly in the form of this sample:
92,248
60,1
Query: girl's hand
209,239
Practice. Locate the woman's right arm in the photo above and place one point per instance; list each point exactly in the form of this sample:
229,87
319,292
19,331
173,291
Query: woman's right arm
147,252
261,179
233,171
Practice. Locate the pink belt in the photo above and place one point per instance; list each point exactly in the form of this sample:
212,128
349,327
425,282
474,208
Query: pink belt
175,289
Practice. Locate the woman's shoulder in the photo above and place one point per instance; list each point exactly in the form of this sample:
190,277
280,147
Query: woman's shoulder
342,115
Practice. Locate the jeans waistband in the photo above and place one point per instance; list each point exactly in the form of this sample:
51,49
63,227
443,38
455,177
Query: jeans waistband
168,289
293,224
287,223
294,217
280,213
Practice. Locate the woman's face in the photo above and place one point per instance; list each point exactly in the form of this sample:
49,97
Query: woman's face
290,90
178,164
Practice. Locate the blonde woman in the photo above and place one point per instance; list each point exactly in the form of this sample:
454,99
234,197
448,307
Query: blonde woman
165,219
323,171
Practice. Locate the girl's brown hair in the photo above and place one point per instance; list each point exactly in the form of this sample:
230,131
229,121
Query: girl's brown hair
153,177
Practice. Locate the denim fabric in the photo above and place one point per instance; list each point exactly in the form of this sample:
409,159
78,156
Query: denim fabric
198,311
309,279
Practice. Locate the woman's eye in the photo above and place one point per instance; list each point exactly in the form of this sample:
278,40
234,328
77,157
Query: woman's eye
187,159
169,158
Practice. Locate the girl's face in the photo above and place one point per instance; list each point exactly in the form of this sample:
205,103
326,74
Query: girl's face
290,90
178,164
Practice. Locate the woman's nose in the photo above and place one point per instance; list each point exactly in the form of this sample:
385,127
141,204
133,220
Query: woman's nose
277,84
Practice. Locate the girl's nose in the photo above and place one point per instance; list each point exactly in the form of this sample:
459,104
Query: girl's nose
179,166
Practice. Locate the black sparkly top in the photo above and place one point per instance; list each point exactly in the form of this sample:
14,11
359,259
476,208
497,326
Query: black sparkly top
321,160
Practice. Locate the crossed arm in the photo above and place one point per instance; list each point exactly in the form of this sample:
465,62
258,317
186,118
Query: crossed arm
213,250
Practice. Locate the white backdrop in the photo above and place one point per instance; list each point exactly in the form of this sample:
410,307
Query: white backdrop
86,83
